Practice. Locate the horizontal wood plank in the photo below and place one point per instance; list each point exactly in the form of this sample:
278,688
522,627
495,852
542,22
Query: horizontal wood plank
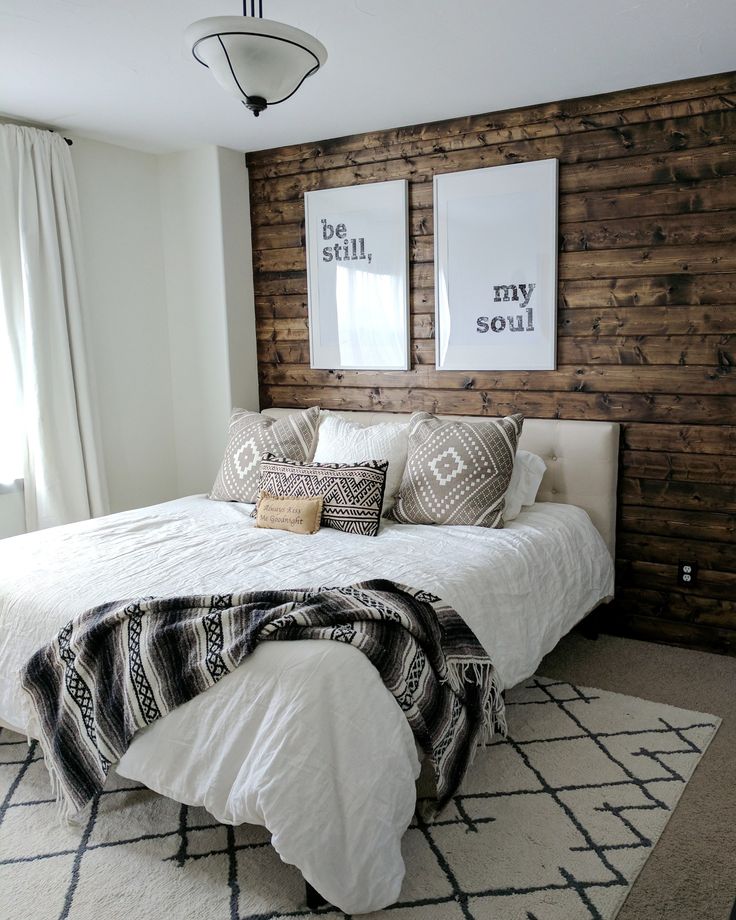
683,467
708,196
583,379
695,259
650,575
670,550
706,637
677,494
709,351
633,232
676,605
656,290
535,404
688,439
692,525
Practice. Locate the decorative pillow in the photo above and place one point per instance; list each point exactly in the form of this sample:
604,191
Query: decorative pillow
352,492
341,441
457,472
297,515
529,470
250,436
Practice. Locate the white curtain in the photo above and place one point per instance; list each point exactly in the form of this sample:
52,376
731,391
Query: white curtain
40,290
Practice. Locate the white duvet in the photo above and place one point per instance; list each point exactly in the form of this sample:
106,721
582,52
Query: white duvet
303,738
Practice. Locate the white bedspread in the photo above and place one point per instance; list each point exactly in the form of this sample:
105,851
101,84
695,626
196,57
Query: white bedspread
303,739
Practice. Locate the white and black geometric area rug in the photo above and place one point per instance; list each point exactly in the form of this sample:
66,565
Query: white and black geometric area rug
554,823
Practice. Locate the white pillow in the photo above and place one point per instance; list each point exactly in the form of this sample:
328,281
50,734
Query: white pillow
341,441
525,481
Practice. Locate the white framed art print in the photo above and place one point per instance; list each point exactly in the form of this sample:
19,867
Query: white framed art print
496,268
358,276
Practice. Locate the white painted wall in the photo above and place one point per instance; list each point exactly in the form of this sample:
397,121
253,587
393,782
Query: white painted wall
170,311
206,231
238,271
197,323
126,319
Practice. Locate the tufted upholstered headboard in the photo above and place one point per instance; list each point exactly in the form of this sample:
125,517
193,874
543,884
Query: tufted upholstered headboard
581,458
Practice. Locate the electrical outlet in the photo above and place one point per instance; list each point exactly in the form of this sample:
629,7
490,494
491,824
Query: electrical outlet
687,573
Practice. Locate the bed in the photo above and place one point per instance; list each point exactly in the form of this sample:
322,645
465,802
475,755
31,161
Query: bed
304,739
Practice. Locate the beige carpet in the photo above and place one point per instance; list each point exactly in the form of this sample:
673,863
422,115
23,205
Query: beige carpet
691,875
554,823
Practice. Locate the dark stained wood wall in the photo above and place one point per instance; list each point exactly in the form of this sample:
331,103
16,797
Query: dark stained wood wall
647,314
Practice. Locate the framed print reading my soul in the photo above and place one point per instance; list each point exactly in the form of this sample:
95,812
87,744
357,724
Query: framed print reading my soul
496,268
358,276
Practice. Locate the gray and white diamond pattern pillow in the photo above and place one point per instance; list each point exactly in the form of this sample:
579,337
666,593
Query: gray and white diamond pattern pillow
457,472
250,435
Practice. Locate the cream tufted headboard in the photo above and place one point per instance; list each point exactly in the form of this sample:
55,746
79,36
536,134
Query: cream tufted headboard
581,458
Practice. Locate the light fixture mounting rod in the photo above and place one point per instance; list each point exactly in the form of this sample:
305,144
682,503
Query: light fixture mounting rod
253,8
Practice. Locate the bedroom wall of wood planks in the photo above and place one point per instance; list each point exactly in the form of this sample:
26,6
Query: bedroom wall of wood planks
647,314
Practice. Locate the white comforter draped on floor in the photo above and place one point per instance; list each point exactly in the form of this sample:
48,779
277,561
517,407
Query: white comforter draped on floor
304,738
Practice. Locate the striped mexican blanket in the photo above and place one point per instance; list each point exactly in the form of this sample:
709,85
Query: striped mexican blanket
120,666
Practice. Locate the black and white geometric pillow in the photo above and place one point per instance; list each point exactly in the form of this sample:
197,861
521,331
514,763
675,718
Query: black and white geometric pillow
457,472
250,435
352,492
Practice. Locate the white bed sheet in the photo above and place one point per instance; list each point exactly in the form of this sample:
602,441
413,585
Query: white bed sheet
303,739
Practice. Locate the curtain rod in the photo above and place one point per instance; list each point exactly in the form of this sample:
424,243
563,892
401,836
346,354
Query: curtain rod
67,140
15,121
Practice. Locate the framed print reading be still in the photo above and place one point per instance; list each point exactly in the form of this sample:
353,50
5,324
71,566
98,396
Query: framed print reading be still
358,276
496,268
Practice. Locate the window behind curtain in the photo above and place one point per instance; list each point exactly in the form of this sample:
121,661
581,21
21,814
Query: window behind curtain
11,418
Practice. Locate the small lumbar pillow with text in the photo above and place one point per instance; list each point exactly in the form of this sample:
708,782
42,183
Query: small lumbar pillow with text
297,515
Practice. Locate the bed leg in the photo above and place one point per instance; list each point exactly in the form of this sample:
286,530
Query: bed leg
589,627
314,898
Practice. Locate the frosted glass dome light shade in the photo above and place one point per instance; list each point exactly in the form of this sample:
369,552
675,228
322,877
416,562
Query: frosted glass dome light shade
259,61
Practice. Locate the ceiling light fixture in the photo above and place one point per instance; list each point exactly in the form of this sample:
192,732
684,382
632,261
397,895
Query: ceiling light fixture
260,61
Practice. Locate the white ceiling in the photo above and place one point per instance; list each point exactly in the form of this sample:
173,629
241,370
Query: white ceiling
117,70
